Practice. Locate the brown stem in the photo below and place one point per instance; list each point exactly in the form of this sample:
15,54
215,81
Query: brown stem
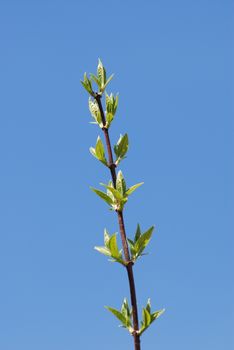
131,281
111,164
129,263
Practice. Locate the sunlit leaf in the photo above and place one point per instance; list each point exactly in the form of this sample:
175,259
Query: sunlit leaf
113,246
102,195
143,240
117,314
103,250
133,188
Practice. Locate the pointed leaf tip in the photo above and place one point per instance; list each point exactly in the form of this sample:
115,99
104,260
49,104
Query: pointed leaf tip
133,188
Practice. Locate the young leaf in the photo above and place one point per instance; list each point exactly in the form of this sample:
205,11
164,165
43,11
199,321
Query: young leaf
101,73
133,188
120,183
109,193
116,102
100,148
148,306
106,237
92,151
95,112
111,103
143,240
109,118
117,195
138,233
103,250
156,314
97,81
87,85
111,248
121,148
114,247
100,152
117,314
146,318
132,248
126,312
107,82
102,195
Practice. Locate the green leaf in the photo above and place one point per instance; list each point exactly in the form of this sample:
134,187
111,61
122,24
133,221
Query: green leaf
116,146
97,81
130,241
102,195
133,188
87,85
121,147
116,102
108,103
120,183
131,246
109,193
138,233
109,118
107,82
114,247
111,103
156,314
132,249
119,260
118,314
126,312
92,151
106,238
95,112
100,152
101,73
148,306
103,250
146,318
117,195
111,248
100,149
143,240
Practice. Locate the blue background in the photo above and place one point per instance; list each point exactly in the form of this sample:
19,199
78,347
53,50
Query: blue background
173,65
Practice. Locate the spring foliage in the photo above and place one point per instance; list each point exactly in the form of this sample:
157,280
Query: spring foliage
116,194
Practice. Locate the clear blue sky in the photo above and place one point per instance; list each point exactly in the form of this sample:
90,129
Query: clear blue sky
173,66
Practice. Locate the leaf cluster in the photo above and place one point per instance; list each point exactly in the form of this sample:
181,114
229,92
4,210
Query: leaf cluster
124,316
140,242
87,84
116,197
111,102
110,248
120,148
149,317
99,151
95,112
111,107
100,79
